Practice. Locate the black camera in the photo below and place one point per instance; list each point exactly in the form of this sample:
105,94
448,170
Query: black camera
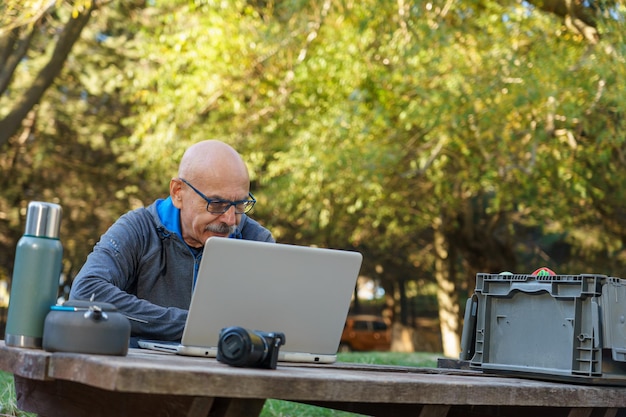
249,348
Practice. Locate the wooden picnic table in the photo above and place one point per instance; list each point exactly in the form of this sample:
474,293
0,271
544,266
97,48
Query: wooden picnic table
146,383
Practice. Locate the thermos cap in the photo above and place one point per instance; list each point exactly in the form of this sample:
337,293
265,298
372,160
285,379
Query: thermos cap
43,219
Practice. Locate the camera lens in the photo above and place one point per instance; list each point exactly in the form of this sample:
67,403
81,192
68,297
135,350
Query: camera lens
239,347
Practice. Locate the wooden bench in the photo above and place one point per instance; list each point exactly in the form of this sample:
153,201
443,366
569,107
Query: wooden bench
146,383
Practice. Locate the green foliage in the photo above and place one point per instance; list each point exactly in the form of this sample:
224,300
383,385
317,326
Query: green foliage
8,405
363,124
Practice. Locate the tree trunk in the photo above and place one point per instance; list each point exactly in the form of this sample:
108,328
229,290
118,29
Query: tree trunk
13,48
401,334
10,125
447,297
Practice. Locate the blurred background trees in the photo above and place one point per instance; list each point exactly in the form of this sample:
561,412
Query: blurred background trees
440,139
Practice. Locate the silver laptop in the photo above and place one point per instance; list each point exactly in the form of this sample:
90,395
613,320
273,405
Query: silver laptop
303,292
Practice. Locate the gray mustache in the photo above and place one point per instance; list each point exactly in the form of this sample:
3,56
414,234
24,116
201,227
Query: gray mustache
221,228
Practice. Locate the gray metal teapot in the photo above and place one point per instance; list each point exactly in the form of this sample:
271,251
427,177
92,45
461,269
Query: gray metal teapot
86,327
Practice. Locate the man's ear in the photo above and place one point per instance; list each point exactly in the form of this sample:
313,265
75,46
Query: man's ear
176,192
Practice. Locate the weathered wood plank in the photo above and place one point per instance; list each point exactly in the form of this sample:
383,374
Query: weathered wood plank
594,412
171,374
229,407
580,412
65,399
81,385
200,407
68,399
447,363
30,363
459,410
610,412
431,410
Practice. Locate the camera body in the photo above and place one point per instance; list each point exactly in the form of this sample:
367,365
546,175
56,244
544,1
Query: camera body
249,348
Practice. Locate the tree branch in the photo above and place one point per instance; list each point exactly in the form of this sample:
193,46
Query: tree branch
576,16
14,47
10,125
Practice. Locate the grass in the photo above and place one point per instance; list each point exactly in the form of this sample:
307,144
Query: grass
416,359
272,408
8,406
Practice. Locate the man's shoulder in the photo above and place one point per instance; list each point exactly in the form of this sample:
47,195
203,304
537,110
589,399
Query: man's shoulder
140,218
143,212
252,230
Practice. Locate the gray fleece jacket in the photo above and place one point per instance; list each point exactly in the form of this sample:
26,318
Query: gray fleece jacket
143,267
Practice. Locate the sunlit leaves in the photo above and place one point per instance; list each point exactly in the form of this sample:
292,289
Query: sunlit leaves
362,122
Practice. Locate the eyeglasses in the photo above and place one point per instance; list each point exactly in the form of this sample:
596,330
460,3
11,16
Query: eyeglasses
218,206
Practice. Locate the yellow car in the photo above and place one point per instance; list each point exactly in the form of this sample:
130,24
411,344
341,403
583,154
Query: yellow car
365,332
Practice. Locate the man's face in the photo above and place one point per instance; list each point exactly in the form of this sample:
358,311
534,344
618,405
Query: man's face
197,224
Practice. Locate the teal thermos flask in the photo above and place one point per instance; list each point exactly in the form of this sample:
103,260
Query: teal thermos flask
36,274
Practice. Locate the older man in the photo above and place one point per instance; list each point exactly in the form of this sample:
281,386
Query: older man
146,263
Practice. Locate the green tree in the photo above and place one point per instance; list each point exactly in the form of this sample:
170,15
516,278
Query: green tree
25,39
438,139
63,151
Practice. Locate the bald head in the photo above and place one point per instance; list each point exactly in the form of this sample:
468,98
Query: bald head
209,170
210,160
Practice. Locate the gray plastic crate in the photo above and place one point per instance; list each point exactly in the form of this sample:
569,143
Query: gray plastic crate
565,327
